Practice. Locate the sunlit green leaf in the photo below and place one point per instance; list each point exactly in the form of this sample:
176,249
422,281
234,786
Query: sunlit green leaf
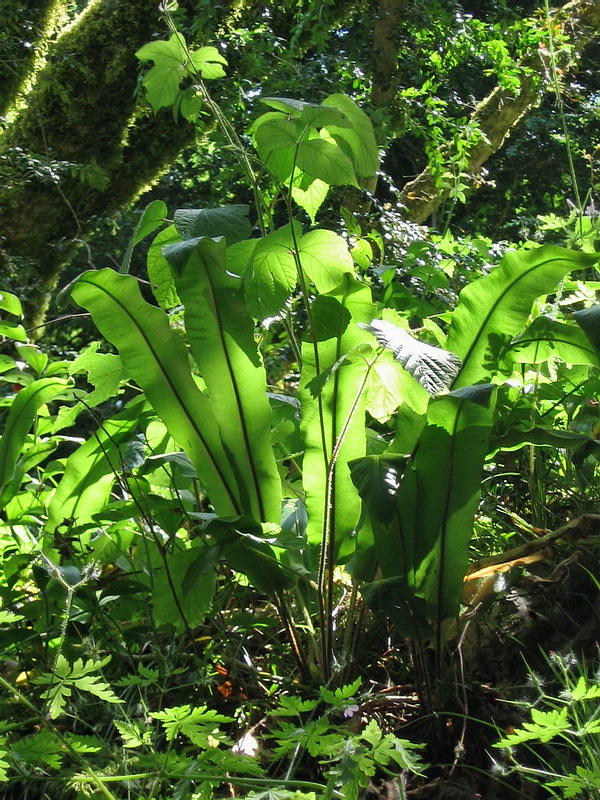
272,275
325,259
221,334
494,309
326,161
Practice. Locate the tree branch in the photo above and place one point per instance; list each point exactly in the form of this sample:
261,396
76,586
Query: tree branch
500,111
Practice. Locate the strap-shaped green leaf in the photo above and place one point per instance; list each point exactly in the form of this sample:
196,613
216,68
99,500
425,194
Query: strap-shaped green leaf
329,489
494,309
20,419
542,437
546,337
157,360
422,514
221,334
378,479
448,467
90,471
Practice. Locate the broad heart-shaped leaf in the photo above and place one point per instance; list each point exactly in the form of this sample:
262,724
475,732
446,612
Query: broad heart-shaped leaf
546,337
157,360
276,134
332,501
385,387
162,81
447,467
271,276
359,139
20,419
494,309
152,218
325,258
311,197
229,221
193,577
321,159
12,330
275,140
221,335
159,271
324,116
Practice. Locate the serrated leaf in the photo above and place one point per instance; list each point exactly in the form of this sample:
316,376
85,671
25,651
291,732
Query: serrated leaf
4,764
37,749
9,616
105,372
583,782
133,733
162,80
545,726
291,706
85,744
96,686
199,725
341,694
78,675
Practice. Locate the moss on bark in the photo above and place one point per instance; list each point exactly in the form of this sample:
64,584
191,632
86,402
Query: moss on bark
77,150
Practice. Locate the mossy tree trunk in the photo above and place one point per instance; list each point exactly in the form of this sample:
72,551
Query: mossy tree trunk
78,149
